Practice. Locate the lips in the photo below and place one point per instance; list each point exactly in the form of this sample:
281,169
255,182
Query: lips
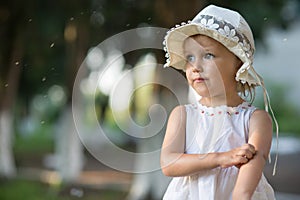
199,80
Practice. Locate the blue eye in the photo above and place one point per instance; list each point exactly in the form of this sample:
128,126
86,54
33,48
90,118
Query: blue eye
209,56
190,58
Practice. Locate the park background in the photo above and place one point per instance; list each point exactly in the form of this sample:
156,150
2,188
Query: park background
43,45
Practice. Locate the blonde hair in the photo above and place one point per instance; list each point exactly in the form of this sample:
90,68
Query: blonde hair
246,91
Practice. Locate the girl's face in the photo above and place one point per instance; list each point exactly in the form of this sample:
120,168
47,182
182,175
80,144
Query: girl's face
210,67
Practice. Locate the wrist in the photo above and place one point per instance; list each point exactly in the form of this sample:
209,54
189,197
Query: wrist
217,159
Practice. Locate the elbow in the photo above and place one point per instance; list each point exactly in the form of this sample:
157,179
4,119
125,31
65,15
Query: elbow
170,171
167,172
172,165
167,168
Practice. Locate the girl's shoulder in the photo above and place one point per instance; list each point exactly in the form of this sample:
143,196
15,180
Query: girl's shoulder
178,113
260,115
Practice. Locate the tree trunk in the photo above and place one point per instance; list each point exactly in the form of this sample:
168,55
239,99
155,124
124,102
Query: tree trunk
7,163
69,148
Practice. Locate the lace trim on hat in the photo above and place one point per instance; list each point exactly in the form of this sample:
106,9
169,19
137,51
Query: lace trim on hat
222,27
227,30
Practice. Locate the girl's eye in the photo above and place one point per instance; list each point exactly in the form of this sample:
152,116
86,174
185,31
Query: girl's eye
190,58
209,56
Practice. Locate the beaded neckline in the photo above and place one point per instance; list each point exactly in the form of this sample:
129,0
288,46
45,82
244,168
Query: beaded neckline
220,110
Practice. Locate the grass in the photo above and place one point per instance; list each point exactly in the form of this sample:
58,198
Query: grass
20,189
40,141
33,190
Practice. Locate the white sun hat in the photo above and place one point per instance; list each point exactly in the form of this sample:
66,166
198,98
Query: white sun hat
230,29
227,27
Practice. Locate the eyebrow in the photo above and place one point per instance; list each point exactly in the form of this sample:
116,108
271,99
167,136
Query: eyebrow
205,50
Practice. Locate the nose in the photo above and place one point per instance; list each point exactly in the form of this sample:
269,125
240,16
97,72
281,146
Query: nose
197,67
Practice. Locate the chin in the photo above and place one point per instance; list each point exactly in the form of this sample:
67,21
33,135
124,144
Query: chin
202,92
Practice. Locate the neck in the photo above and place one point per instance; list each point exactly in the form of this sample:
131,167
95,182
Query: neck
229,100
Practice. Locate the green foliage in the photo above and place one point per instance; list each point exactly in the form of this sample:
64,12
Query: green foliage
47,58
286,113
33,190
43,23
26,190
260,14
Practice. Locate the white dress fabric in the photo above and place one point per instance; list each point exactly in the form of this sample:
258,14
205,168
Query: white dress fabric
215,129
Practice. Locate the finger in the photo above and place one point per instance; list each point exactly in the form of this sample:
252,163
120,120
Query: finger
243,160
252,148
249,147
247,154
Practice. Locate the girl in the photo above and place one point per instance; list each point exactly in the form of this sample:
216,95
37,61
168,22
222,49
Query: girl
216,148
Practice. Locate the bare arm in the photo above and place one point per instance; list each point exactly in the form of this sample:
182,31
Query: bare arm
175,162
260,136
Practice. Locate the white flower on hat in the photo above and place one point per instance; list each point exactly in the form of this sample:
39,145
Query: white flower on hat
210,23
230,33
246,47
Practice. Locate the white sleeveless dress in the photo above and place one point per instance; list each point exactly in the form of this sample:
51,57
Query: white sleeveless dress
215,129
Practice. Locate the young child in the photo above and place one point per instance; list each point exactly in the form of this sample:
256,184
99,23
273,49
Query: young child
216,148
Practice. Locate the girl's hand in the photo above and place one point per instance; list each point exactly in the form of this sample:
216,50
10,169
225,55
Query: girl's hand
237,157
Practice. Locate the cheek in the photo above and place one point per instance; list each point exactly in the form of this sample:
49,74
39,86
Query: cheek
215,72
225,71
188,73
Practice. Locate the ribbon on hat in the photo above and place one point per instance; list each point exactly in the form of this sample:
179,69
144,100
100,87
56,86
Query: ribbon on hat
247,74
268,105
